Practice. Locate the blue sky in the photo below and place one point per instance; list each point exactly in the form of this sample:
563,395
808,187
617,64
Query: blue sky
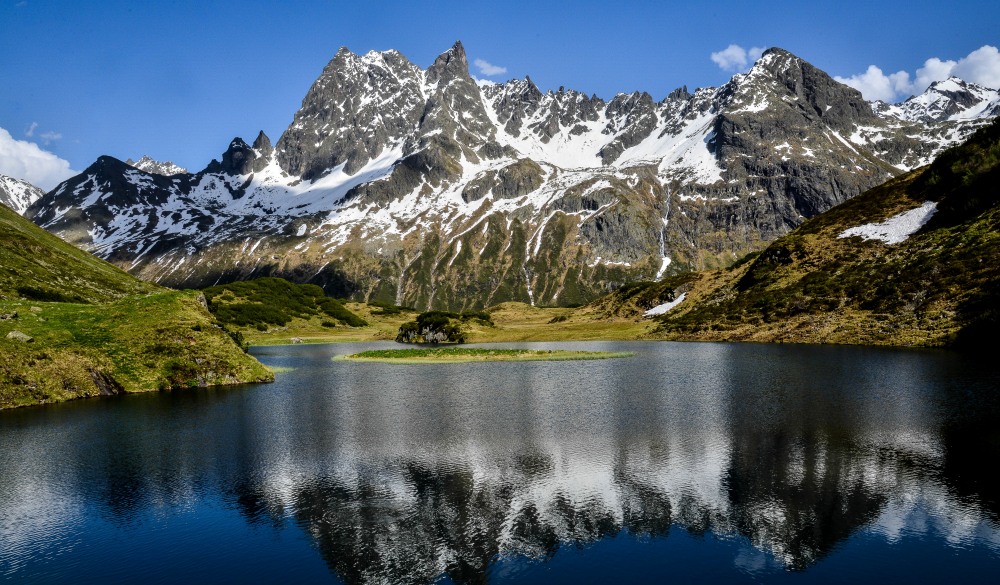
178,79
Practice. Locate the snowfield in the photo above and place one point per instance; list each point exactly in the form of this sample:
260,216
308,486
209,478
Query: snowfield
661,309
897,228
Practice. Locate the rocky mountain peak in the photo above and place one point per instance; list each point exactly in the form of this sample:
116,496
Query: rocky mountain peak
239,159
454,105
948,100
357,108
679,94
781,75
262,144
452,64
106,164
150,165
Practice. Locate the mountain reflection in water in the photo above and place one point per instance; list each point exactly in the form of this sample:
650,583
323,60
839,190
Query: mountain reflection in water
403,474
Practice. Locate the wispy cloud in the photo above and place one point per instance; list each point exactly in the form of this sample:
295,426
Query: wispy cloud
488,69
31,130
25,160
50,137
736,58
981,66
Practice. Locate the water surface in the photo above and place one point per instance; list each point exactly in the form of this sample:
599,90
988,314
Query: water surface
691,462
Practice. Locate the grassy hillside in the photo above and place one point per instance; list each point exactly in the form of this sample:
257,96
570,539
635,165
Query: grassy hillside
941,286
37,265
95,330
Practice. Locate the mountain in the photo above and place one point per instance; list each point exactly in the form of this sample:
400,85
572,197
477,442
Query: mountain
72,325
156,167
950,100
429,189
17,194
911,262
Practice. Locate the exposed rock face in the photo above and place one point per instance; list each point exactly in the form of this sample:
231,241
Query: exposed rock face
243,159
358,106
424,188
106,385
17,194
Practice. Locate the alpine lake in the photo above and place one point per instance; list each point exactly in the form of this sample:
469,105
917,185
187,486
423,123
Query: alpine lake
686,462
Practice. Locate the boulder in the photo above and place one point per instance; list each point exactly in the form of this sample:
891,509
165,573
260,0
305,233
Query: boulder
19,336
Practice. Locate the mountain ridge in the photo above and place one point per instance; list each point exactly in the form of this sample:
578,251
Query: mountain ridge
426,188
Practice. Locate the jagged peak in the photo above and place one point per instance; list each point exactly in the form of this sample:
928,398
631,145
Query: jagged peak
953,85
449,65
262,142
458,50
150,165
681,93
522,87
635,97
775,61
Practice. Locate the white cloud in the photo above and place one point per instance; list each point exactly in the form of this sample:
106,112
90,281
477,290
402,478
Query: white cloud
876,85
486,68
981,66
31,129
736,58
25,160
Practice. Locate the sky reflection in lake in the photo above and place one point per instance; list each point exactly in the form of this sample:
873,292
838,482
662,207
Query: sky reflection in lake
687,461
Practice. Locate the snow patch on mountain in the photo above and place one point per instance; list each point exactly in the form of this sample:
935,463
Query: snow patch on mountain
662,309
18,194
897,228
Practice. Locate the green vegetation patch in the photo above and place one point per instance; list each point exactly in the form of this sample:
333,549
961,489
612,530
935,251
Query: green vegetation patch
441,327
275,301
36,265
469,354
139,343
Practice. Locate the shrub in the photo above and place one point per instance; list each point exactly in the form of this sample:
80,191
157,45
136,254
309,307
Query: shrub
433,327
275,301
46,295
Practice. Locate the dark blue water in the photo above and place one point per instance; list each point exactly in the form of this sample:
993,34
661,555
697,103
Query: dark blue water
686,463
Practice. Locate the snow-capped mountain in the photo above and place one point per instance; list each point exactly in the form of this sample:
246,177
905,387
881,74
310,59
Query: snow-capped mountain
426,188
951,100
18,194
155,167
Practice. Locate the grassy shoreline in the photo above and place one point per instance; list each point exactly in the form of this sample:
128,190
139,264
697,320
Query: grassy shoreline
513,322
455,355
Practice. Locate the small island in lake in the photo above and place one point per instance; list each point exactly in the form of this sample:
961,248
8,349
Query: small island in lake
471,354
